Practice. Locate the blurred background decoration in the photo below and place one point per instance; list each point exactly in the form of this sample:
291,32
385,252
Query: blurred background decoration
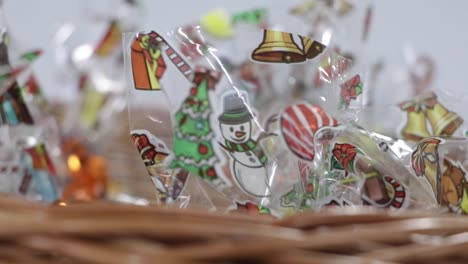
400,29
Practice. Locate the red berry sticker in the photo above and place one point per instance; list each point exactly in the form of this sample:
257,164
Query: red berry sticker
203,149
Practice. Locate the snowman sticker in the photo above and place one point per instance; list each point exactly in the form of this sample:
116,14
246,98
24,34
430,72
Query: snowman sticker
248,160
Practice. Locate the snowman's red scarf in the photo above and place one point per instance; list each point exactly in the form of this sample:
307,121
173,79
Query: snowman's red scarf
250,145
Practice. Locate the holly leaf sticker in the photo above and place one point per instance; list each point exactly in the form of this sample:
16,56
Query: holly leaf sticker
335,164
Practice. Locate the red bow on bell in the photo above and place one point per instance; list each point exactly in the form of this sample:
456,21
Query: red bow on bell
419,104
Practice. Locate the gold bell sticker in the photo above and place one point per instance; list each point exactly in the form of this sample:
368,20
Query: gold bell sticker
422,111
280,47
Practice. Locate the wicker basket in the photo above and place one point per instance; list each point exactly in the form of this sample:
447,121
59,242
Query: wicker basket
103,232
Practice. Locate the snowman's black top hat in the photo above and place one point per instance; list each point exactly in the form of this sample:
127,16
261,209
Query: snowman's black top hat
234,110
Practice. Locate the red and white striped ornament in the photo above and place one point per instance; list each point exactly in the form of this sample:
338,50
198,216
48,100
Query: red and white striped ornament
299,123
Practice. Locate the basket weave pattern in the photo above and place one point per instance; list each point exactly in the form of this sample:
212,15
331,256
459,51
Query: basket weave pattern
102,232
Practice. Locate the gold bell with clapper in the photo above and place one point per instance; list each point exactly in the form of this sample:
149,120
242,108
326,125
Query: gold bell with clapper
443,121
416,127
278,47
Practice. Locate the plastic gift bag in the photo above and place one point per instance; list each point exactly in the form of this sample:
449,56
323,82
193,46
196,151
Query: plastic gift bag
86,95
27,163
189,117
88,65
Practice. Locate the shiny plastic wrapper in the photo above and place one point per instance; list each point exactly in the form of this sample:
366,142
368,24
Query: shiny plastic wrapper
232,115
28,138
358,167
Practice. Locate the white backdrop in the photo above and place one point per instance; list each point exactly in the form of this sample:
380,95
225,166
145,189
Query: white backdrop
435,27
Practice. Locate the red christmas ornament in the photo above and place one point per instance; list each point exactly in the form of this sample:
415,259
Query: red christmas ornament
299,123
211,172
203,149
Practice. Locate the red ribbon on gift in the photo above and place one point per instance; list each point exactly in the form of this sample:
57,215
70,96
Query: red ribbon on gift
420,104
150,47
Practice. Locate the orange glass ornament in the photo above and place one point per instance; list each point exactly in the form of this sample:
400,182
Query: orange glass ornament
89,174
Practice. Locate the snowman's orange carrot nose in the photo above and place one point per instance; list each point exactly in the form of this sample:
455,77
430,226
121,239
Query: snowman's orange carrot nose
239,134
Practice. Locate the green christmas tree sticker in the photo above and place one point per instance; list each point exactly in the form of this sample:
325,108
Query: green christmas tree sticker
194,142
